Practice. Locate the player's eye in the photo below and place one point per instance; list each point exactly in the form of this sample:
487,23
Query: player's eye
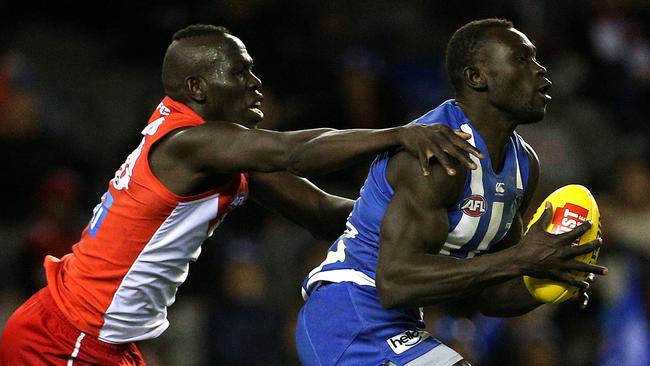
242,71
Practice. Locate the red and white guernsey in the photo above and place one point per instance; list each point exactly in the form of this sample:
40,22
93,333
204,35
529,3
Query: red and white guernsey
125,270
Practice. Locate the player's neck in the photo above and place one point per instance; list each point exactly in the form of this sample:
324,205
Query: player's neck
494,127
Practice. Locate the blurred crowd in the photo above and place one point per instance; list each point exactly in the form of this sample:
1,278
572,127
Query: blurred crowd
77,85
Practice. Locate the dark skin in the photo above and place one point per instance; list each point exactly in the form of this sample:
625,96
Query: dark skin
416,223
213,76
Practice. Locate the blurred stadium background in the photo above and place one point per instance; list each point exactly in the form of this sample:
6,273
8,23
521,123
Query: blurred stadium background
77,85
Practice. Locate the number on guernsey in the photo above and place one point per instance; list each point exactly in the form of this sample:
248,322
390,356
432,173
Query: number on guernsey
337,251
99,213
123,175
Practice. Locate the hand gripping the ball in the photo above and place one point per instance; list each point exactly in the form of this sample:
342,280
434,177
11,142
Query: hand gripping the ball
552,256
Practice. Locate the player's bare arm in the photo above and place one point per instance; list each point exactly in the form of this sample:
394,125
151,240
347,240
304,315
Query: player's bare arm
300,201
509,298
416,225
187,158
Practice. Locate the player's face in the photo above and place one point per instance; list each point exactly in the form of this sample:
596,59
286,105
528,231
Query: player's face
517,83
234,92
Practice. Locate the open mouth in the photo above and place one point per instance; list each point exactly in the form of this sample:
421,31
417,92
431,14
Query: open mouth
256,107
257,104
543,91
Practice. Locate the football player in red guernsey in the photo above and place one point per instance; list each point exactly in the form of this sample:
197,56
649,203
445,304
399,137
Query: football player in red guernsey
199,157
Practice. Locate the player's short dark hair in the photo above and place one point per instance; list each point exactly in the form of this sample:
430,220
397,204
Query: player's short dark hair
463,47
198,30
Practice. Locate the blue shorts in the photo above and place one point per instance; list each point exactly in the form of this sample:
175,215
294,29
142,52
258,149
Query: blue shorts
345,324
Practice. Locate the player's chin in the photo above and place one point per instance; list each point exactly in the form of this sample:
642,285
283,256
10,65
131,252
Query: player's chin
537,110
253,116
533,115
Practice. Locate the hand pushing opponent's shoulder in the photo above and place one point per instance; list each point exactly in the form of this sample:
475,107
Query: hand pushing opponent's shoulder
441,142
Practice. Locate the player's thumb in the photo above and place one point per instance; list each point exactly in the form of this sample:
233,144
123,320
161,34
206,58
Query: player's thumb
545,218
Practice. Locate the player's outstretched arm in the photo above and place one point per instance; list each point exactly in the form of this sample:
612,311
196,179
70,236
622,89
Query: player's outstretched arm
223,147
416,225
303,203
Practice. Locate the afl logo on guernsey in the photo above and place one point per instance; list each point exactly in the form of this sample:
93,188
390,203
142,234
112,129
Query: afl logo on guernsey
473,206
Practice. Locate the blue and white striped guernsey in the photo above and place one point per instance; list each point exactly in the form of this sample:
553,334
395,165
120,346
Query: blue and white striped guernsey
480,218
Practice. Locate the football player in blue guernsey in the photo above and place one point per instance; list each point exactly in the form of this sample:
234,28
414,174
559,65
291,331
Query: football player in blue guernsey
413,241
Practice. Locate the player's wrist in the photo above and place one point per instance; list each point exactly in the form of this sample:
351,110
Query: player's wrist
513,262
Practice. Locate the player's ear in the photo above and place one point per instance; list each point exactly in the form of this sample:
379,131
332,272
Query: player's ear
474,78
195,87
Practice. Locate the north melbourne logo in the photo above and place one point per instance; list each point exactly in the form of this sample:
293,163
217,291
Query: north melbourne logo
406,340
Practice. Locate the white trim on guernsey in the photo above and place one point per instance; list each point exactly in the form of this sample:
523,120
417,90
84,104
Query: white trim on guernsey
440,355
497,213
138,310
337,276
493,226
466,227
520,184
77,347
